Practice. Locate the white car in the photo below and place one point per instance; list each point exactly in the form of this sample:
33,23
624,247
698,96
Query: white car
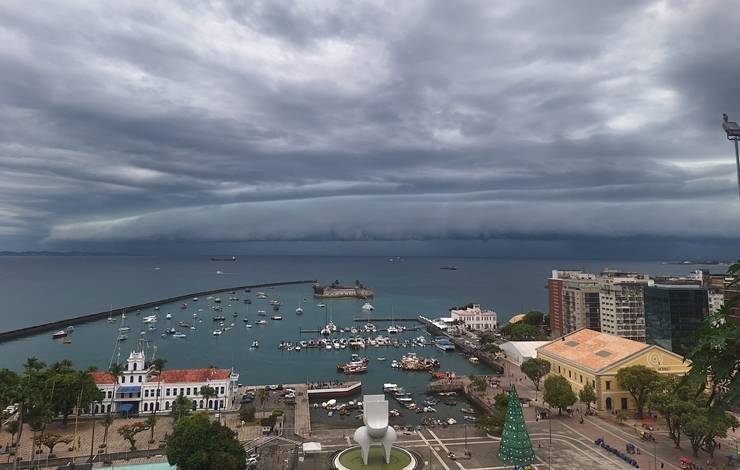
10,410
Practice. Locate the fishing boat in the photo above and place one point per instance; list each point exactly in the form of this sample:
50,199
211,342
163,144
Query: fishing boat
59,334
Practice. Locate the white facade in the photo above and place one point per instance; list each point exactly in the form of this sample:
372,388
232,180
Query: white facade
476,319
141,389
519,351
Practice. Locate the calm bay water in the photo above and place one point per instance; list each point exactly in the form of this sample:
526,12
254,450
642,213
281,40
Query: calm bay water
40,289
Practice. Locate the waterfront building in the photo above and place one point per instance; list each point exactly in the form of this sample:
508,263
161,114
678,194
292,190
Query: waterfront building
587,356
475,319
673,312
519,351
142,389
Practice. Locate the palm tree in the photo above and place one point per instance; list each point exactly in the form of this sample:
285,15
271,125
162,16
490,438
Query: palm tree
106,422
28,392
181,407
116,370
208,392
158,367
11,428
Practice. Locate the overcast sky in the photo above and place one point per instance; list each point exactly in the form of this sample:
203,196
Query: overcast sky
160,124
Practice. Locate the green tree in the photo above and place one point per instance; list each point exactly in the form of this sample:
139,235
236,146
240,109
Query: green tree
716,349
558,393
9,385
493,348
198,443
246,412
535,369
587,395
12,428
129,432
208,392
501,400
30,392
523,332
674,399
106,421
116,370
181,407
264,395
640,381
534,318
151,421
158,366
491,423
515,447
478,382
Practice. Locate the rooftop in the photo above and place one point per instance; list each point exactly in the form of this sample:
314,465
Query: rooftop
102,377
194,375
592,349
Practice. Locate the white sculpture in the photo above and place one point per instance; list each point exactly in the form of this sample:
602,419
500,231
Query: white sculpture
376,429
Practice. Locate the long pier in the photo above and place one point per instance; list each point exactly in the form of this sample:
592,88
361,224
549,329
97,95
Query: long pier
372,319
91,317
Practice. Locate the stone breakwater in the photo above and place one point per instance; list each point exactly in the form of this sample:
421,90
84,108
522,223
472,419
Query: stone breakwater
91,317
342,292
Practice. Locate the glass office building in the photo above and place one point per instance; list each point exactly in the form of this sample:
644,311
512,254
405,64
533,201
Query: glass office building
673,313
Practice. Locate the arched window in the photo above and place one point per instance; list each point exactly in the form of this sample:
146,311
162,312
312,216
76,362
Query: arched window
608,403
210,404
135,365
146,406
139,379
157,407
166,405
201,404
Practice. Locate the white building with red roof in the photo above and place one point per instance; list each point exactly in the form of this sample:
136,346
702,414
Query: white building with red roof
142,389
474,318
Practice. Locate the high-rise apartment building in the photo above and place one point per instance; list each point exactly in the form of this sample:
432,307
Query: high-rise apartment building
574,301
673,312
621,304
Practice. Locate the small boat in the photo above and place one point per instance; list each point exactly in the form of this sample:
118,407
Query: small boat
474,360
156,308
179,335
124,329
217,332
219,318
297,348
321,305
122,337
392,329
183,306
249,325
262,322
261,312
67,341
275,302
195,299
59,334
299,311
150,319
381,359
277,317
255,344
368,307
168,316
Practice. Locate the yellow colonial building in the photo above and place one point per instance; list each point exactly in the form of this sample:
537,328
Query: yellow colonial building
589,356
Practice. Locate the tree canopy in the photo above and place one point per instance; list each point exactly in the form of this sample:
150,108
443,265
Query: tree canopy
587,395
523,332
198,443
640,381
535,369
558,393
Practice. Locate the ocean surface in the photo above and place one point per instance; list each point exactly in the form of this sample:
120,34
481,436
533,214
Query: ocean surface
41,289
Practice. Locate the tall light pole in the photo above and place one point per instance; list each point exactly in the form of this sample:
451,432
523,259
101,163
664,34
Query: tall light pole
733,134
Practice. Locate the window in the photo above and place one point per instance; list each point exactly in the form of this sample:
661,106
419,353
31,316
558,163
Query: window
558,369
135,364
110,394
188,391
222,390
146,393
158,392
569,375
139,379
166,405
182,390
167,392
608,385
125,367
624,403
581,378
131,379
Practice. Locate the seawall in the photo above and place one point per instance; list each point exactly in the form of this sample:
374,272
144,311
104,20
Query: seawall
91,317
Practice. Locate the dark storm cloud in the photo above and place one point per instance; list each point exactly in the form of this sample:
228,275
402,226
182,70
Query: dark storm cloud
328,120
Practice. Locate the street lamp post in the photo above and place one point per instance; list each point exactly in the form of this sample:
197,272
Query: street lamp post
732,130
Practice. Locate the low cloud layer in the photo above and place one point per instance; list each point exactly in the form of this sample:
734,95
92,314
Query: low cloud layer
335,120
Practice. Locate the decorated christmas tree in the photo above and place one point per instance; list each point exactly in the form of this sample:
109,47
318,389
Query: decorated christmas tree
516,448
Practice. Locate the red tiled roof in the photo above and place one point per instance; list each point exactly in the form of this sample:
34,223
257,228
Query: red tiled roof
193,375
102,378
